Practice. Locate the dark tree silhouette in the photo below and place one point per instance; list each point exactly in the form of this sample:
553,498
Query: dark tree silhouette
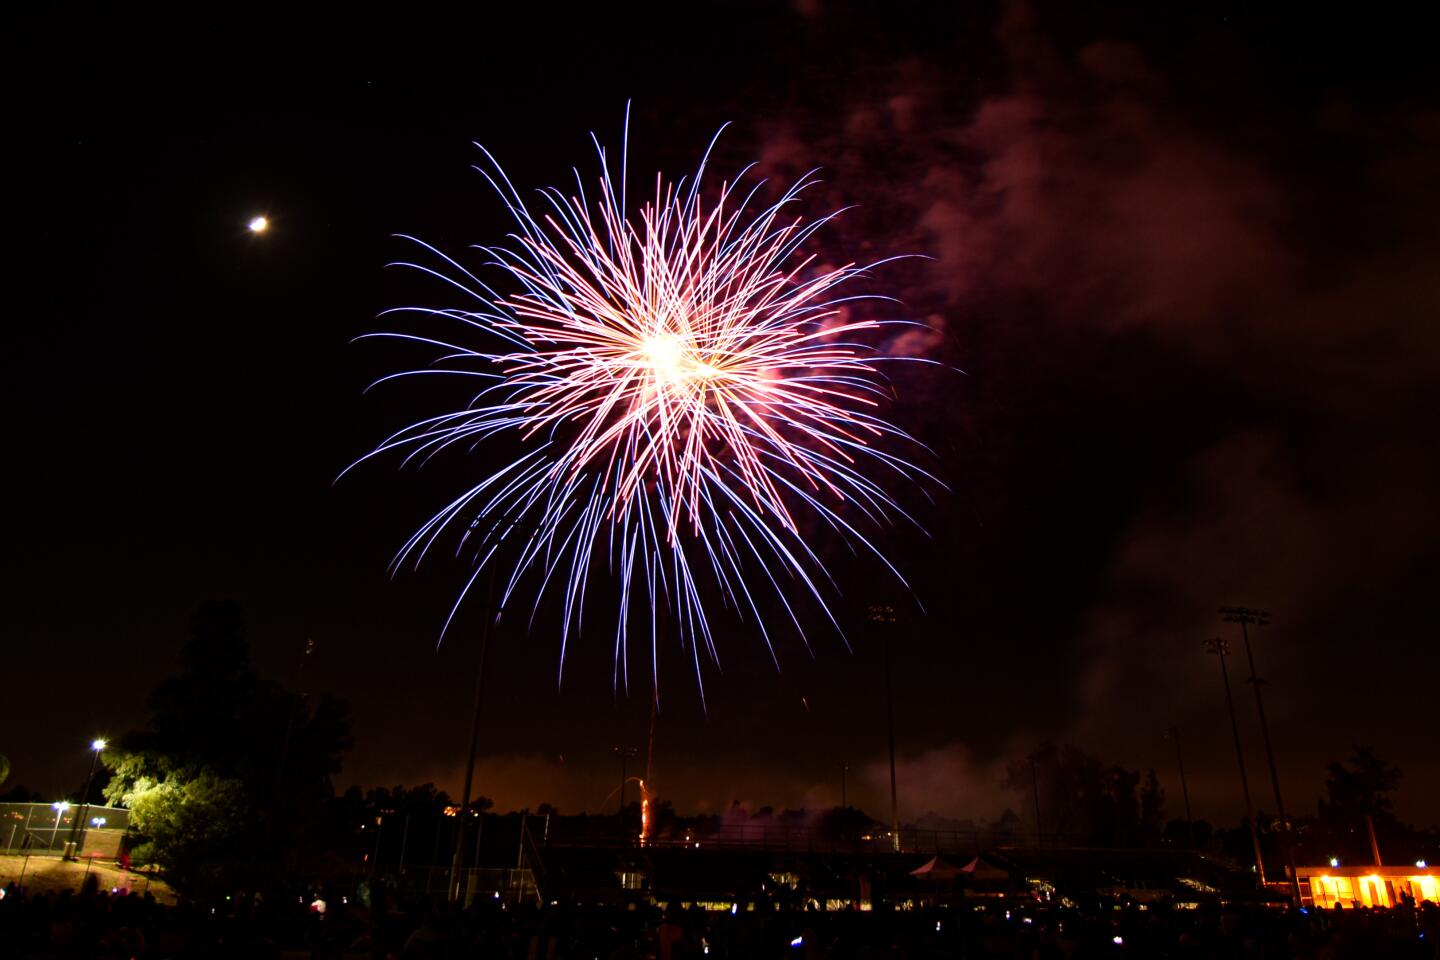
230,770
20,793
1152,810
1084,800
1358,787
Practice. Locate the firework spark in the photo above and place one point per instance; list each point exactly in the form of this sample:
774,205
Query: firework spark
681,386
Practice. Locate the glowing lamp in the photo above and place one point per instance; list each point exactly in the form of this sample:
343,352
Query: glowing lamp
259,225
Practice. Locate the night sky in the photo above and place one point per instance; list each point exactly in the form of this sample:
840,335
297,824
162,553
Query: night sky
1187,261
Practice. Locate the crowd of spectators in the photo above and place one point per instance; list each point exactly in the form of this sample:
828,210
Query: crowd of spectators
101,924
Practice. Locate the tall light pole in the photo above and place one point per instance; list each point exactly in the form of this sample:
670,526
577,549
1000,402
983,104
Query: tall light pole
457,859
1245,616
1260,618
1220,648
1184,787
884,613
78,828
492,616
297,700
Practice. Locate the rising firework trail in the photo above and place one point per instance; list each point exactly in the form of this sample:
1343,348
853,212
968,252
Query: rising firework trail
681,394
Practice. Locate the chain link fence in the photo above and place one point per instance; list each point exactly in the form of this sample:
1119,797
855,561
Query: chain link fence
41,828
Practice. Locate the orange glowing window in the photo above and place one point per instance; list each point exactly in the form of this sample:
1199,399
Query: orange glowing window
1372,892
1331,891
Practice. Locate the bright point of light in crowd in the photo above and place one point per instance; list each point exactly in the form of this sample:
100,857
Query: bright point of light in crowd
1334,861
259,224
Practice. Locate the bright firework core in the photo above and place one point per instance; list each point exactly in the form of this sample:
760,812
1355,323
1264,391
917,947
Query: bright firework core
673,361
693,395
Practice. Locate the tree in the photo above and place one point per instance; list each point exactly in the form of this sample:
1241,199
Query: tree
192,820
229,773
1360,787
1083,800
20,794
1152,809
846,823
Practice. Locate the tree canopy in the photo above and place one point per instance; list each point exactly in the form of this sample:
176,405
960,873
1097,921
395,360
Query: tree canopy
1084,800
229,768
1359,787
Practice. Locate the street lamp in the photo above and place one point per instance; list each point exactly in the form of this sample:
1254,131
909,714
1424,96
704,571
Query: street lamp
60,807
97,745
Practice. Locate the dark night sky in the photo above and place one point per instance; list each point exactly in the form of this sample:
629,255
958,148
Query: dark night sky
1188,265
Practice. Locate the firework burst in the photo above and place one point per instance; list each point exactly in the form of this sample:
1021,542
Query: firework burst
685,392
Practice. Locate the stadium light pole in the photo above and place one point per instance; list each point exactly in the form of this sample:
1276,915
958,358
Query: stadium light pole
1220,648
884,613
296,702
1245,616
457,858
492,617
1184,786
493,613
1260,618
